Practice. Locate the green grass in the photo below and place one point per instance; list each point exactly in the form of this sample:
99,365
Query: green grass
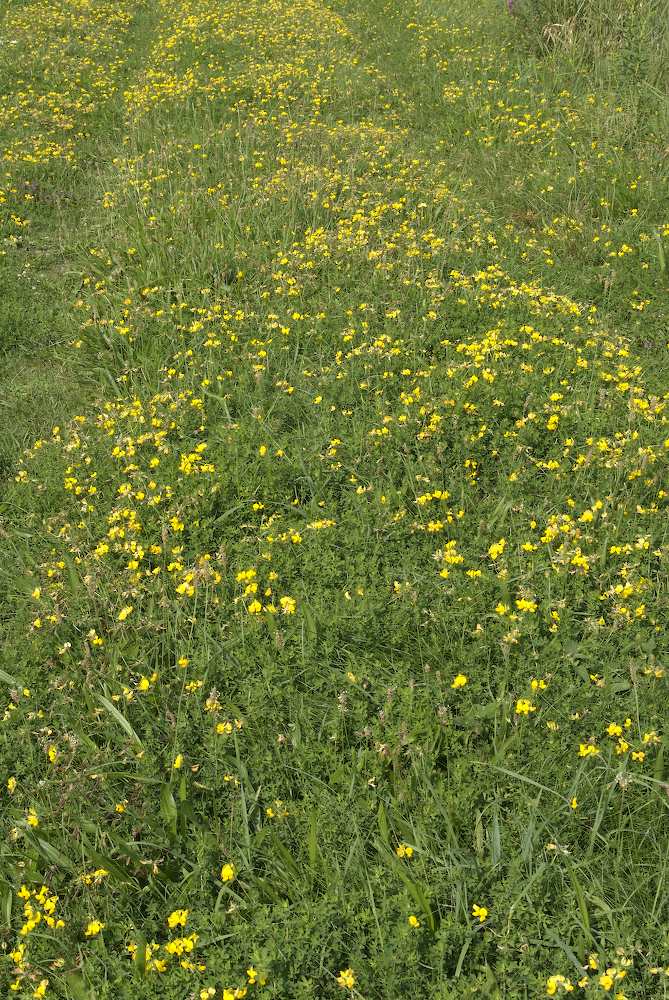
333,447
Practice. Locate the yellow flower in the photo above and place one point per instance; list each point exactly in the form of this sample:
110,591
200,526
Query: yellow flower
480,912
32,818
178,761
11,785
404,851
228,872
124,612
524,707
414,921
177,918
496,549
182,945
94,877
554,982
346,979
459,681
93,929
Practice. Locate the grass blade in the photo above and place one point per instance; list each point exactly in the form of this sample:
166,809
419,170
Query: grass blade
118,717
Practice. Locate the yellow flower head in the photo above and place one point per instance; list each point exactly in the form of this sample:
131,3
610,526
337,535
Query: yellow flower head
228,872
496,549
346,979
554,983
177,918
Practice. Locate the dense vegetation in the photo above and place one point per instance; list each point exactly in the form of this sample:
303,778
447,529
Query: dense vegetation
334,499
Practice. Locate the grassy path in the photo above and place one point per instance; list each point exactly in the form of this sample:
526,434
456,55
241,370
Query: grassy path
334,508
62,80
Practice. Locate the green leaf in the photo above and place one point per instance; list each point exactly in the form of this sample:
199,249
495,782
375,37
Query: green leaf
104,861
52,854
478,835
420,898
73,576
658,769
141,779
495,838
309,623
119,717
553,938
462,956
6,907
168,809
140,956
660,253
244,786
312,839
8,679
382,820
183,791
580,898
417,892
127,850
77,988
291,866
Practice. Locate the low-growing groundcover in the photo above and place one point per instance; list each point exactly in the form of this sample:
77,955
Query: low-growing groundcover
334,519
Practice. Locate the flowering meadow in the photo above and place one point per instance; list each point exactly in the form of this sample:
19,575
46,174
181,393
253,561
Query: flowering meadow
334,439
